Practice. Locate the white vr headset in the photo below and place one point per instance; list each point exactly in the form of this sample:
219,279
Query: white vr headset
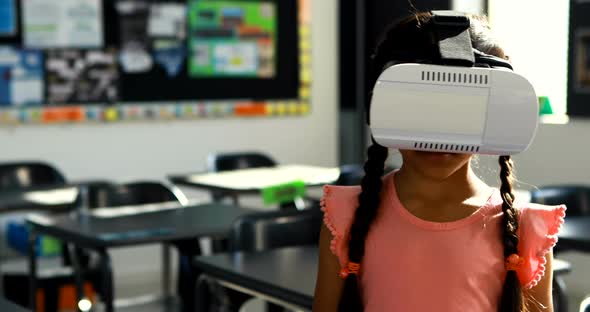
472,103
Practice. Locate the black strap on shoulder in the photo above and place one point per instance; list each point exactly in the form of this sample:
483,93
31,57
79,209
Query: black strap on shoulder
451,33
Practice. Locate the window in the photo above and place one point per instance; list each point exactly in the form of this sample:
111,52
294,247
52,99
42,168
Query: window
534,34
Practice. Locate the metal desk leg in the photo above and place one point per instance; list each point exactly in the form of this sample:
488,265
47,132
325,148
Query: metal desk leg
107,280
73,251
235,199
3,248
166,272
202,294
32,270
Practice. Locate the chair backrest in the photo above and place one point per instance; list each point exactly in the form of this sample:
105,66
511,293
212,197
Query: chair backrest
234,161
353,174
268,230
576,197
28,174
134,193
350,175
585,305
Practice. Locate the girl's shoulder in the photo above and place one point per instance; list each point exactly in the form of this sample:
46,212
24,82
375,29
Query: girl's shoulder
540,220
339,204
341,201
538,229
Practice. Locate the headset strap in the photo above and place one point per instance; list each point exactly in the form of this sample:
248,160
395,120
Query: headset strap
451,33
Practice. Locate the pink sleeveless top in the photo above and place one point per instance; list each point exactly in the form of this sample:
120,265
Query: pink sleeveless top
415,265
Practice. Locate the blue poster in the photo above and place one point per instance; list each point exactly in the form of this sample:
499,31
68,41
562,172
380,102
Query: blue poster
21,77
7,18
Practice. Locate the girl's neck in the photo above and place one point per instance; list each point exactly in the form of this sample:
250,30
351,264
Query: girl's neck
459,187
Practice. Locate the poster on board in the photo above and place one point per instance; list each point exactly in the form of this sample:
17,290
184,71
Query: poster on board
154,60
62,24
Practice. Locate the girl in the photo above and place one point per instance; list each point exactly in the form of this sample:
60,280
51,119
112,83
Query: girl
432,236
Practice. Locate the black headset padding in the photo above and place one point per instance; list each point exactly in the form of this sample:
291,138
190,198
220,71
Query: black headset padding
490,60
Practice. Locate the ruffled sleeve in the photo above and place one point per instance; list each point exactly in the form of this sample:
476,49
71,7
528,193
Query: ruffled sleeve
538,228
339,204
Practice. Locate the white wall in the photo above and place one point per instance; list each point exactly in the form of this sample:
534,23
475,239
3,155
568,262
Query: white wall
468,6
559,154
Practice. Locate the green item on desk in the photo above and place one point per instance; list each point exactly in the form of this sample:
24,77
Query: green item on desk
50,246
545,106
284,193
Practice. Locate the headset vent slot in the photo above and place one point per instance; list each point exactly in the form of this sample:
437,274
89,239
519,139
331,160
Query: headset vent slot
462,78
439,147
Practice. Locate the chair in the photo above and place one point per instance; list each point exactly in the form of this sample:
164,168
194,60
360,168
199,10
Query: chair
15,176
350,175
560,299
152,192
576,197
354,173
18,175
585,305
264,231
243,160
104,194
234,161
134,193
269,230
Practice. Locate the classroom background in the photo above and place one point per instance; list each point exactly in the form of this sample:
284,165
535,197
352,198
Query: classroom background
120,91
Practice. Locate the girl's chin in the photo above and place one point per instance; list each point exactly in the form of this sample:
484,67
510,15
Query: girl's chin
435,154
436,157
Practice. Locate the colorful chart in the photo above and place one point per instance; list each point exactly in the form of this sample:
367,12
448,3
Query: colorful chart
63,23
232,38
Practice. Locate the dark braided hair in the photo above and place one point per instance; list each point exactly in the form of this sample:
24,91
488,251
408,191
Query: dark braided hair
369,200
512,298
409,37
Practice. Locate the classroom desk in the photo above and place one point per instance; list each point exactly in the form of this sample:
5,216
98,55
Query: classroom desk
107,231
284,276
575,234
249,181
7,306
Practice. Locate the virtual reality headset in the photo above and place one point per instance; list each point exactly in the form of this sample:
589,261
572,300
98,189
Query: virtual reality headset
466,102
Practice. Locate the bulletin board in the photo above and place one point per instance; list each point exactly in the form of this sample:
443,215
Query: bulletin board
96,61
